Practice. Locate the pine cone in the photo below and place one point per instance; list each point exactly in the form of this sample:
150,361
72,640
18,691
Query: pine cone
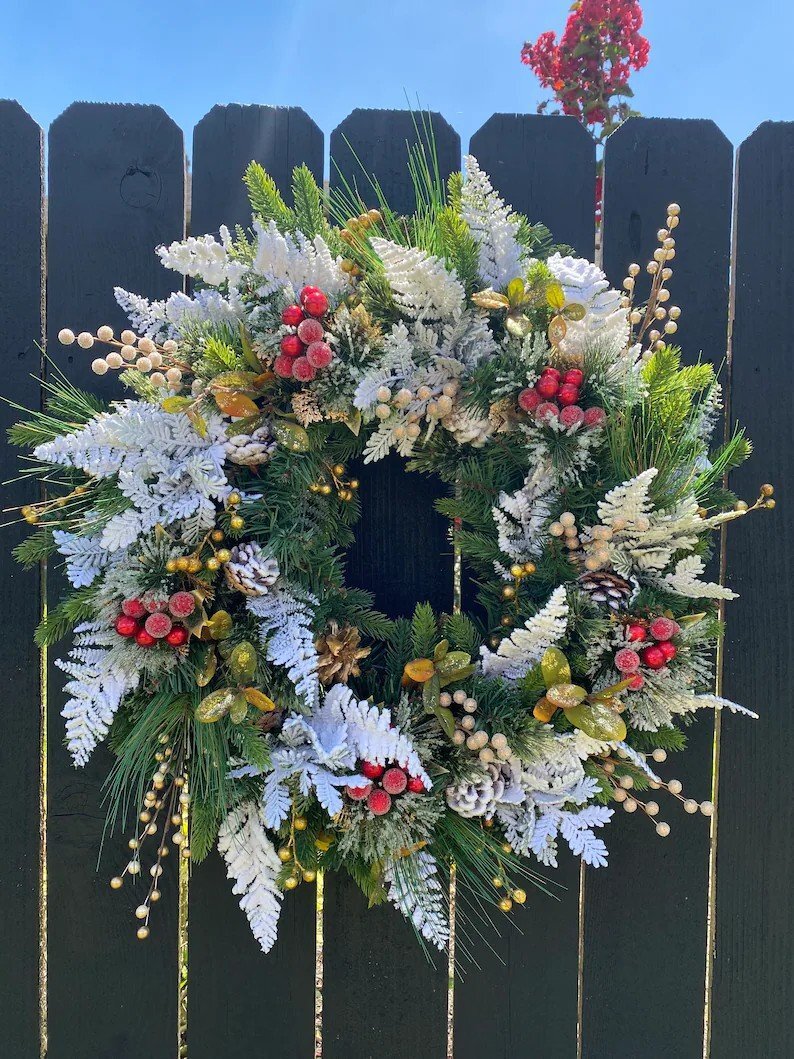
249,450
250,571
607,589
466,429
339,654
480,796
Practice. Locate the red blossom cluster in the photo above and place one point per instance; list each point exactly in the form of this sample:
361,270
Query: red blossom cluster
589,69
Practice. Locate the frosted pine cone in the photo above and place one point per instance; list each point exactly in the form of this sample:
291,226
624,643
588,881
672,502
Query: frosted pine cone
249,450
250,571
607,589
480,796
466,429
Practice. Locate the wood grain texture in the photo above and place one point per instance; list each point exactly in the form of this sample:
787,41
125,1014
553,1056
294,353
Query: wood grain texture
645,914
522,998
21,324
382,998
116,190
540,165
753,996
234,991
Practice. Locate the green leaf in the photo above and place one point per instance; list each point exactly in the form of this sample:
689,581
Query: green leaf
554,667
597,721
216,705
251,358
176,404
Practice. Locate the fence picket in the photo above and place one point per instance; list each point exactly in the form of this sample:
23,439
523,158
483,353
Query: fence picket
753,993
633,932
21,324
516,992
227,966
374,968
116,190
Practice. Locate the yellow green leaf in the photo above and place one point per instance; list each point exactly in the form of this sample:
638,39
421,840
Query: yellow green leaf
564,696
518,324
215,705
607,693
574,311
259,700
235,404
248,350
236,380
353,421
207,671
242,662
198,421
441,650
515,291
176,404
292,436
598,721
220,625
238,708
555,296
490,299
554,667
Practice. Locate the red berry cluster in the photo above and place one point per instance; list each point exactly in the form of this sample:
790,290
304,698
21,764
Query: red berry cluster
556,396
153,621
386,783
304,351
655,655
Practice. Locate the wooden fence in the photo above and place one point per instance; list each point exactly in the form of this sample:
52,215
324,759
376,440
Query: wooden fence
681,947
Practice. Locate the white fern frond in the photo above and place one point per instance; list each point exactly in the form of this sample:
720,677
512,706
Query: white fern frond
252,862
494,228
629,501
685,580
422,286
285,625
524,648
414,888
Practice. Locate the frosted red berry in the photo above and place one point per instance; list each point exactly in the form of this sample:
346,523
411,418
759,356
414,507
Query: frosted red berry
291,346
158,625
177,637
669,650
545,411
568,394
636,681
292,315
144,639
126,625
529,399
379,802
549,370
133,608
627,661
574,376
153,605
302,370
595,417
371,770
358,794
310,331
572,416
394,781
653,657
415,785
664,628
319,354
547,386
282,366
636,633
181,604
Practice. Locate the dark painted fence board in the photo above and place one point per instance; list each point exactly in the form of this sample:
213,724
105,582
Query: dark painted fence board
754,967
543,167
645,915
382,998
234,991
116,182
522,998
21,323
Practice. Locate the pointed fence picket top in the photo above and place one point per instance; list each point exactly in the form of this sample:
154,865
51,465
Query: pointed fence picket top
116,190
543,167
21,325
227,968
374,966
510,989
647,910
753,994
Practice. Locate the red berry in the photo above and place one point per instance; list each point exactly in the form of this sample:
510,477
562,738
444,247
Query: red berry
636,681
547,386
282,366
158,625
371,770
379,802
181,604
133,608
143,639
545,411
416,785
358,794
568,394
653,657
549,370
529,399
669,650
315,304
292,315
319,354
636,633
574,376
394,781
572,416
125,625
306,291
291,346
154,605
177,636
595,417
627,661
310,331
302,369
664,628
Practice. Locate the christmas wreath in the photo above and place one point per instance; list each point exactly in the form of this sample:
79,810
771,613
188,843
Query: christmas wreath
252,698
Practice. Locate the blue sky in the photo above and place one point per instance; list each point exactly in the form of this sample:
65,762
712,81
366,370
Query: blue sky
712,60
